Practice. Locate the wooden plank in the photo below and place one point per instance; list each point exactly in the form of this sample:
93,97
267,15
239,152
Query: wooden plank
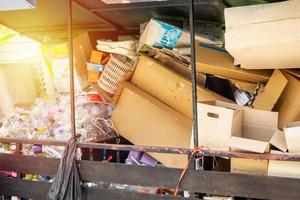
39,190
29,164
92,194
199,181
23,188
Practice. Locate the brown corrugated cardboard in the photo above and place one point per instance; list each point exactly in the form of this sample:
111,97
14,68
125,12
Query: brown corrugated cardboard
258,125
168,86
271,92
264,36
292,135
244,86
220,63
249,166
217,122
144,120
288,104
295,72
83,46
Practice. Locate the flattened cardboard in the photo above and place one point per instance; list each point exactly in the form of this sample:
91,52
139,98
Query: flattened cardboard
271,92
264,36
288,104
292,135
217,122
215,62
144,120
83,46
257,47
168,86
238,16
248,145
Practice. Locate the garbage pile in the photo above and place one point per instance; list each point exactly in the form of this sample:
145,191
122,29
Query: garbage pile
50,120
248,98
248,92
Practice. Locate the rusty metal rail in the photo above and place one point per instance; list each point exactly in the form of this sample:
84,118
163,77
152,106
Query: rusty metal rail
170,150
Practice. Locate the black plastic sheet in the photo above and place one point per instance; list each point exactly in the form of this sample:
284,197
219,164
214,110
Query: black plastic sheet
67,184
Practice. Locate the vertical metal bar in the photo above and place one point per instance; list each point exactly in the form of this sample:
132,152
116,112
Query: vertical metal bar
194,77
71,69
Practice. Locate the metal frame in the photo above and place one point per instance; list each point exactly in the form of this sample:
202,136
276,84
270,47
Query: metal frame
216,183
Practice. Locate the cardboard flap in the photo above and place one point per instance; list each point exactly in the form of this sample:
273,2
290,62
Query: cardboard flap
220,63
260,118
278,141
295,72
292,134
248,145
288,104
268,98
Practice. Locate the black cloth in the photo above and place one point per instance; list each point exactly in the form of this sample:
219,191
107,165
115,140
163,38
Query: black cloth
67,184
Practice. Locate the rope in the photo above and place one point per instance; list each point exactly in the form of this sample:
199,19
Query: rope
198,149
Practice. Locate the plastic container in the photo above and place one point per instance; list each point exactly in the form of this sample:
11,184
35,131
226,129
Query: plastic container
115,72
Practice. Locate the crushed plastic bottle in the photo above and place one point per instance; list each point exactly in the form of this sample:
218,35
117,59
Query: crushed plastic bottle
50,120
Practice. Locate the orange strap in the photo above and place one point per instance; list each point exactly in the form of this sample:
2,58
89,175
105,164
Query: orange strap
195,150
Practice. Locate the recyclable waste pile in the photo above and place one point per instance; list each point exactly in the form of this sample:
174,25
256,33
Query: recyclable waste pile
50,120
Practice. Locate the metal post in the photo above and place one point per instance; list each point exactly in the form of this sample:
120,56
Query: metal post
71,69
194,76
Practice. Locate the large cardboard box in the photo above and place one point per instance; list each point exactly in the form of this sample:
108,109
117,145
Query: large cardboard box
259,130
144,120
264,36
83,45
217,122
169,86
288,104
220,63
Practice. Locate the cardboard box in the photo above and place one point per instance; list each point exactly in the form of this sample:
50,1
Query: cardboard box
288,169
168,86
271,93
249,166
217,122
220,63
292,135
264,36
93,76
144,120
259,129
96,57
288,104
83,45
